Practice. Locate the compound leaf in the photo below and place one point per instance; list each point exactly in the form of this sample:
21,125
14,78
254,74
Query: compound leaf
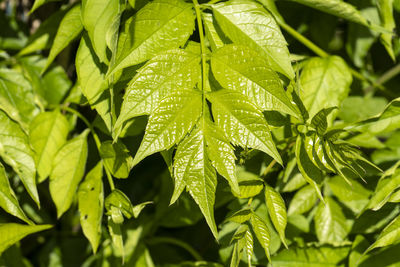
247,22
161,75
242,121
171,120
238,67
160,25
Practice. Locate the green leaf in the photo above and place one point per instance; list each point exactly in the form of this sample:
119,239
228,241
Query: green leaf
311,173
390,235
91,203
260,228
386,13
162,75
354,196
325,83
213,34
47,134
11,233
70,27
171,120
92,82
320,120
241,216
385,188
330,223
250,184
116,158
8,199
16,152
242,121
277,211
193,168
50,87
239,68
356,108
39,3
117,200
160,25
385,122
323,256
303,200
116,238
97,18
337,8
68,170
247,22
221,154
43,37
16,96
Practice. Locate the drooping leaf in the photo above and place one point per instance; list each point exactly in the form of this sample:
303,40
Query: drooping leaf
337,8
247,22
11,233
92,82
239,68
163,74
261,230
91,203
320,120
116,238
390,235
70,27
325,83
311,257
8,200
277,211
116,158
386,13
303,200
16,152
193,169
160,25
16,96
47,134
311,173
68,170
330,223
171,120
97,18
242,121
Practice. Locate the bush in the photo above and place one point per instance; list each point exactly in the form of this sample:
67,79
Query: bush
267,157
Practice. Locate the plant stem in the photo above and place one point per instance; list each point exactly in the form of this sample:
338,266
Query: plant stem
179,243
203,52
388,75
95,137
213,2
